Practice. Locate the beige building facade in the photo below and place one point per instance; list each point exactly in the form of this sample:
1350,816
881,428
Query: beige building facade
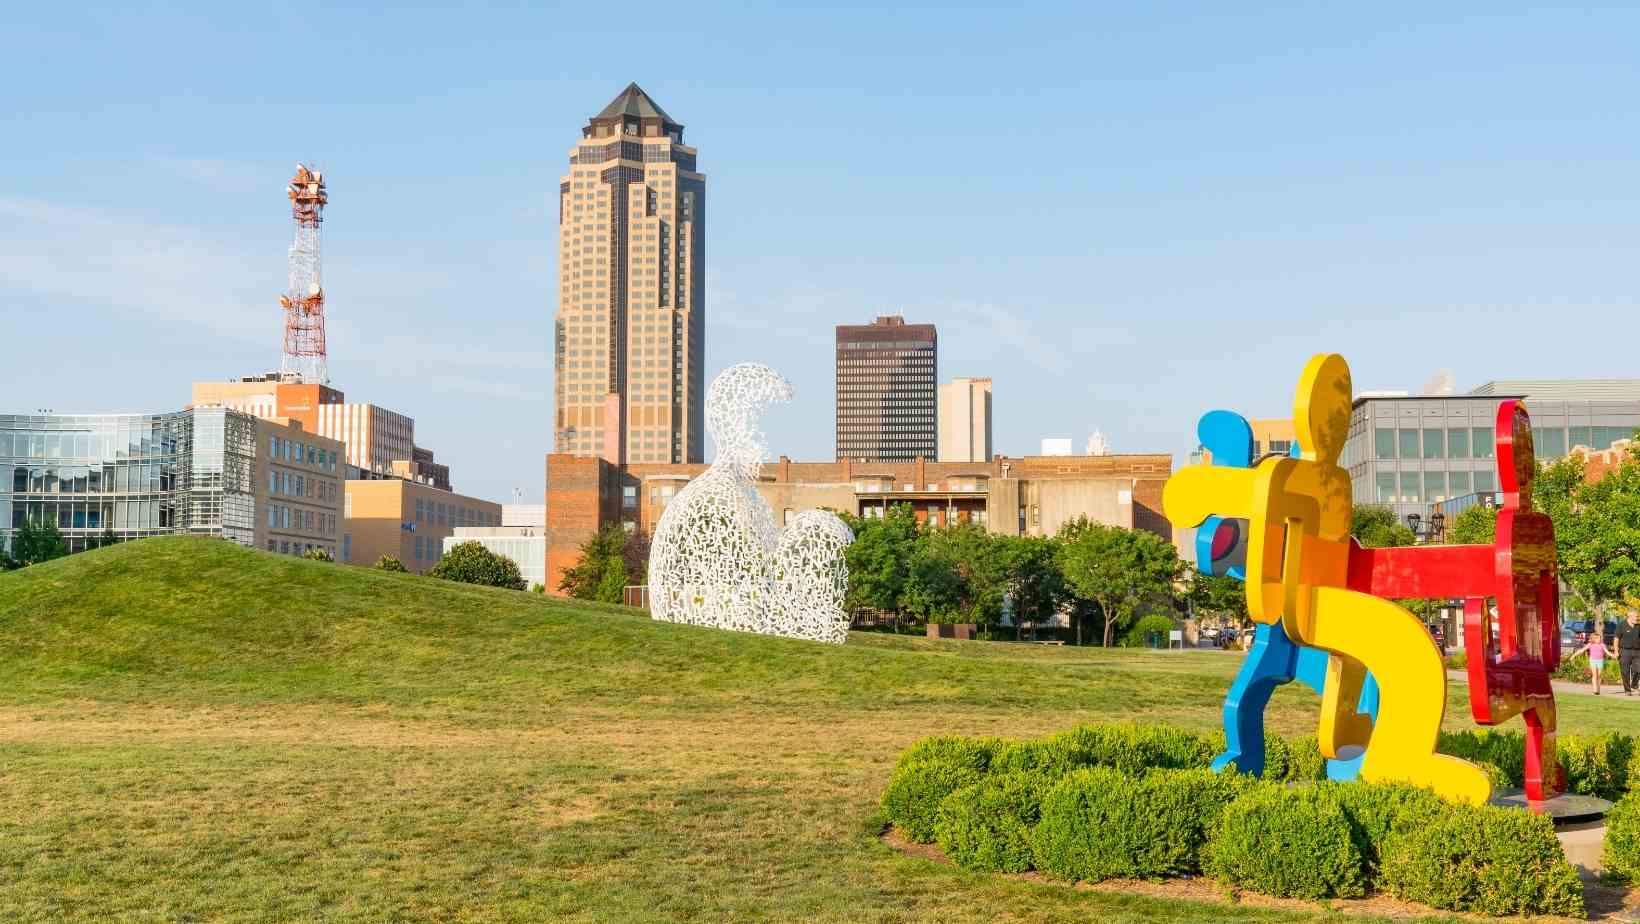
629,338
965,420
298,490
406,520
1016,496
376,440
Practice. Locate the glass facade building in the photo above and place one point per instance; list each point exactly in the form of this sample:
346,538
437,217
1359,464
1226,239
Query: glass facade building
1414,453
132,475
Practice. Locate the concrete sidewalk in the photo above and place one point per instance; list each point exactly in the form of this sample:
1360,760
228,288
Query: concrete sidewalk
1561,686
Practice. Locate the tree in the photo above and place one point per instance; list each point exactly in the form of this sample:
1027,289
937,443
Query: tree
1477,525
34,542
472,563
933,589
1597,532
1123,571
389,563
1035,582
1220,596
980,562
601,574
317,554
1376,527
879,560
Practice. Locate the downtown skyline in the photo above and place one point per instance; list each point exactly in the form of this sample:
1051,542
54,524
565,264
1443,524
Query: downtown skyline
1186,207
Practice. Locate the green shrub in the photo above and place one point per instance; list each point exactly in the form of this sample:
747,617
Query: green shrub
1294,842
1099,823
1620,857
389,563
1505,751
1152,625
987,826
1488,860
1132,749
472,563
1597,765
1379,812
1304,760
927,772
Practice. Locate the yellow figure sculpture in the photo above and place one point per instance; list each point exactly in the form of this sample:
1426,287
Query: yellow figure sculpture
1297,569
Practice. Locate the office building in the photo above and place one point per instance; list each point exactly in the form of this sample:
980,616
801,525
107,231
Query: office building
379,443
629,339
1056,446
524,515
1098,444
263,483
1030,496
1413,453
407,520
965,420
525,545
886,375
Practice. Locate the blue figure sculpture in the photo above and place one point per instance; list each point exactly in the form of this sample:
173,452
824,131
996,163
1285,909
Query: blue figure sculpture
1273,659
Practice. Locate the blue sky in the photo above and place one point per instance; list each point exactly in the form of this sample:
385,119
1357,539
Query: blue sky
1124,214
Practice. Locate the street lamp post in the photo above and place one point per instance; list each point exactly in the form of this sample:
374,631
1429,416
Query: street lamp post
1432,530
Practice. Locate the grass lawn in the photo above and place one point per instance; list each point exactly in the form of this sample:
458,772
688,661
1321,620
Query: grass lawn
190,731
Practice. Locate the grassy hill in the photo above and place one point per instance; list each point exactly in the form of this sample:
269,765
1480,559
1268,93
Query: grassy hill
191,731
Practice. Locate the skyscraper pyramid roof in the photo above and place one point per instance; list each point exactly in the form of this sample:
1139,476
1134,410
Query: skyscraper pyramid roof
633,101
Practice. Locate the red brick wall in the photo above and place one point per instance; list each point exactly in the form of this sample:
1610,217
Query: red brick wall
583,495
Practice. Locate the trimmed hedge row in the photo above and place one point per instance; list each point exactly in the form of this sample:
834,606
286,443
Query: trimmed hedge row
1126,801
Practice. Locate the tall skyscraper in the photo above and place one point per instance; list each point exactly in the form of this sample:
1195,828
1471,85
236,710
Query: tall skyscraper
629,347
965,420
886,373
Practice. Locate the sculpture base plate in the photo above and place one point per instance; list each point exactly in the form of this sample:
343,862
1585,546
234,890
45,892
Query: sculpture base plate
1564,809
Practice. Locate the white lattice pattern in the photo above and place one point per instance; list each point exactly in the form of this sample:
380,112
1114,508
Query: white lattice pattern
717,558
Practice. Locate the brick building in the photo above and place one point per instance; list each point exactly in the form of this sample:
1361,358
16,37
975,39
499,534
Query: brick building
1030,495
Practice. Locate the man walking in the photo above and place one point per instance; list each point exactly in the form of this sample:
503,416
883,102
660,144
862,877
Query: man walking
1628,652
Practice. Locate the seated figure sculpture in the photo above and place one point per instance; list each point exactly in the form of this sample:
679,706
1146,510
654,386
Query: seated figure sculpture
717,557
1298,574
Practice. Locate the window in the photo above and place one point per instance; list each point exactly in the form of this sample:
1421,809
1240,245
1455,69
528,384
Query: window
1480,442
1434,486
1409,444
1411,488
1459,482
1483,482
1550,442
1386,484
420,509
1434,444
273,453
1457,443
1579,436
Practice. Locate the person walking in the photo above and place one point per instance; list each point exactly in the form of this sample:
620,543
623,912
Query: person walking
1628,652
1597,656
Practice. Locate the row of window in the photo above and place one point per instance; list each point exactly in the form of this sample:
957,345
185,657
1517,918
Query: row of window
429,548
438,513
288,450
298,485
282,517
286,547
1430,487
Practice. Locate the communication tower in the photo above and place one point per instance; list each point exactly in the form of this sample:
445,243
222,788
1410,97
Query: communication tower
304,302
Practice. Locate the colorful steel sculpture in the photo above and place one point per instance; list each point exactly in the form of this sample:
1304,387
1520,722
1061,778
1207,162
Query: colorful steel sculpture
1272,659
1509,673
1298,564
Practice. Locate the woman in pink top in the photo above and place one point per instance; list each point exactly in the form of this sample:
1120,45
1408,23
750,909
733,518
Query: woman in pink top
1597,655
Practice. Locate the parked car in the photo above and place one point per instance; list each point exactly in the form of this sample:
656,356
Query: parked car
1581,629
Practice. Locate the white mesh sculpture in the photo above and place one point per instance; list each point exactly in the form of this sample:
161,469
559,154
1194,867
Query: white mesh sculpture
717,558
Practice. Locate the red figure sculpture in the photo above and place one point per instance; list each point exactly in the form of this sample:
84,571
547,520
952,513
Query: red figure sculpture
1511,656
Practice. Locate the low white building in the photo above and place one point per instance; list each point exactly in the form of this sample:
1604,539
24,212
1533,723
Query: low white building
525,545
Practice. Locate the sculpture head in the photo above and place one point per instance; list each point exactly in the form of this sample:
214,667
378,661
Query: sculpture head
734,402
1321,409
1517,461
